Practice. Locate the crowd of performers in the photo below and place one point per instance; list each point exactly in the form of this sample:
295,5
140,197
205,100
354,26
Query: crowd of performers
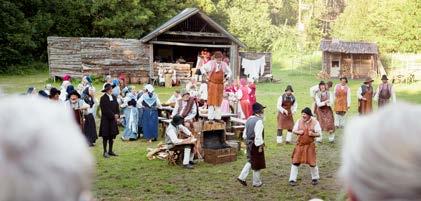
216,94
327,114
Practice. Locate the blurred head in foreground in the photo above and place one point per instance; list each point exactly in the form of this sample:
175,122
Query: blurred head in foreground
43,155
381,156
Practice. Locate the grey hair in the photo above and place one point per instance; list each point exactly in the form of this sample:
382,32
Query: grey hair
381,156
43,155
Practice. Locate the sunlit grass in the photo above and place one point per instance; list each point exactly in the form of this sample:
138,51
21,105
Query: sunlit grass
132,177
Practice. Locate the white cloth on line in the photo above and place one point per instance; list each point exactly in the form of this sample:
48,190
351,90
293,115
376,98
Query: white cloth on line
254,68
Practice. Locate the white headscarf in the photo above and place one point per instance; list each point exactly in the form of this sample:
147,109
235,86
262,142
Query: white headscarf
149,87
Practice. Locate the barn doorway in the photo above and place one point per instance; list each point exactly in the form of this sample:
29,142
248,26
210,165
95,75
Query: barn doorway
335,69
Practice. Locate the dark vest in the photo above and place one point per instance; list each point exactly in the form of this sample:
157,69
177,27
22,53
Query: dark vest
250,124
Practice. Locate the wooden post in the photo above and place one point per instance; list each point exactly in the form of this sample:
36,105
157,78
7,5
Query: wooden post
352,66
234,61
151,67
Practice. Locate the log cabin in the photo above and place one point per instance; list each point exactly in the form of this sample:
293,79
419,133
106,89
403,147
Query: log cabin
354,60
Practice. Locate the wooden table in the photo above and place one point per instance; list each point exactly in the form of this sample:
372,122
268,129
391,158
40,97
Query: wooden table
223,115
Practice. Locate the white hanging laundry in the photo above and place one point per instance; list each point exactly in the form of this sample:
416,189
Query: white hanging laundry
254,68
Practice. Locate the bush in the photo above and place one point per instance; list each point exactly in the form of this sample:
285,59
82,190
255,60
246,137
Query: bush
31,68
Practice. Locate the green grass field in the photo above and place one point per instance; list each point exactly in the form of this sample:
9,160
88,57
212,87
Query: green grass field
132,177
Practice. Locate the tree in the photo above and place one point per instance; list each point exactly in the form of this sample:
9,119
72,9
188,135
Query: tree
393,24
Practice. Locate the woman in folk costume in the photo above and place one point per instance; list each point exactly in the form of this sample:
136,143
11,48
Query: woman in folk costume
161,76
128,93
244,99
287,105
217,71
192,87
385,93
85,83
365,96
225,105
108,80
116,89
131,114
252,95
90,125
63,87
110,113
149,101
203,93
174,80
253,135
342,102
324,112
307,128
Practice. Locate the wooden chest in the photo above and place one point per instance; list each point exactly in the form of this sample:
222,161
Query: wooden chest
218,156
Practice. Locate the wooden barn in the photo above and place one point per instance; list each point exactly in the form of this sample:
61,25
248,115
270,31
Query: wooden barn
180,38
351,59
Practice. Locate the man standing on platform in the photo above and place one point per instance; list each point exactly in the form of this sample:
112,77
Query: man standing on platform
217,72
385,92
254,135
365,97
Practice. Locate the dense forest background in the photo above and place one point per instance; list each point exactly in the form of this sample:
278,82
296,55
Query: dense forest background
285,26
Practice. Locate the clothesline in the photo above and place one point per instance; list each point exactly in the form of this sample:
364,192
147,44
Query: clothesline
254,68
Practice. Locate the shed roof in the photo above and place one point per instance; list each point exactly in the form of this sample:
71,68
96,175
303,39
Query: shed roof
183,15
348,47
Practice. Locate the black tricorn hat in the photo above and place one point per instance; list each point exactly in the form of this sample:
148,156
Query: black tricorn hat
107,87
384,77
257,107
289,88
177,120
74,92
307,111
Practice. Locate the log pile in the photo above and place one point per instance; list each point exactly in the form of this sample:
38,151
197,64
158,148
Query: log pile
183,71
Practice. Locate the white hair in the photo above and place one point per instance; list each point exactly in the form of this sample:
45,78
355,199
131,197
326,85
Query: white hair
381,157
43,154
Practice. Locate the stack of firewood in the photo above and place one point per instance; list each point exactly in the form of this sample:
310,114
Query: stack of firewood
323,75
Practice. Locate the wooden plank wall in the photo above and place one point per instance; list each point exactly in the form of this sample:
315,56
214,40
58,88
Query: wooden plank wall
99,56
64,56
257,55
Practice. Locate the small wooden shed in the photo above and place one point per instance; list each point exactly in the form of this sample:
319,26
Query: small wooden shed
351,59
185,35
